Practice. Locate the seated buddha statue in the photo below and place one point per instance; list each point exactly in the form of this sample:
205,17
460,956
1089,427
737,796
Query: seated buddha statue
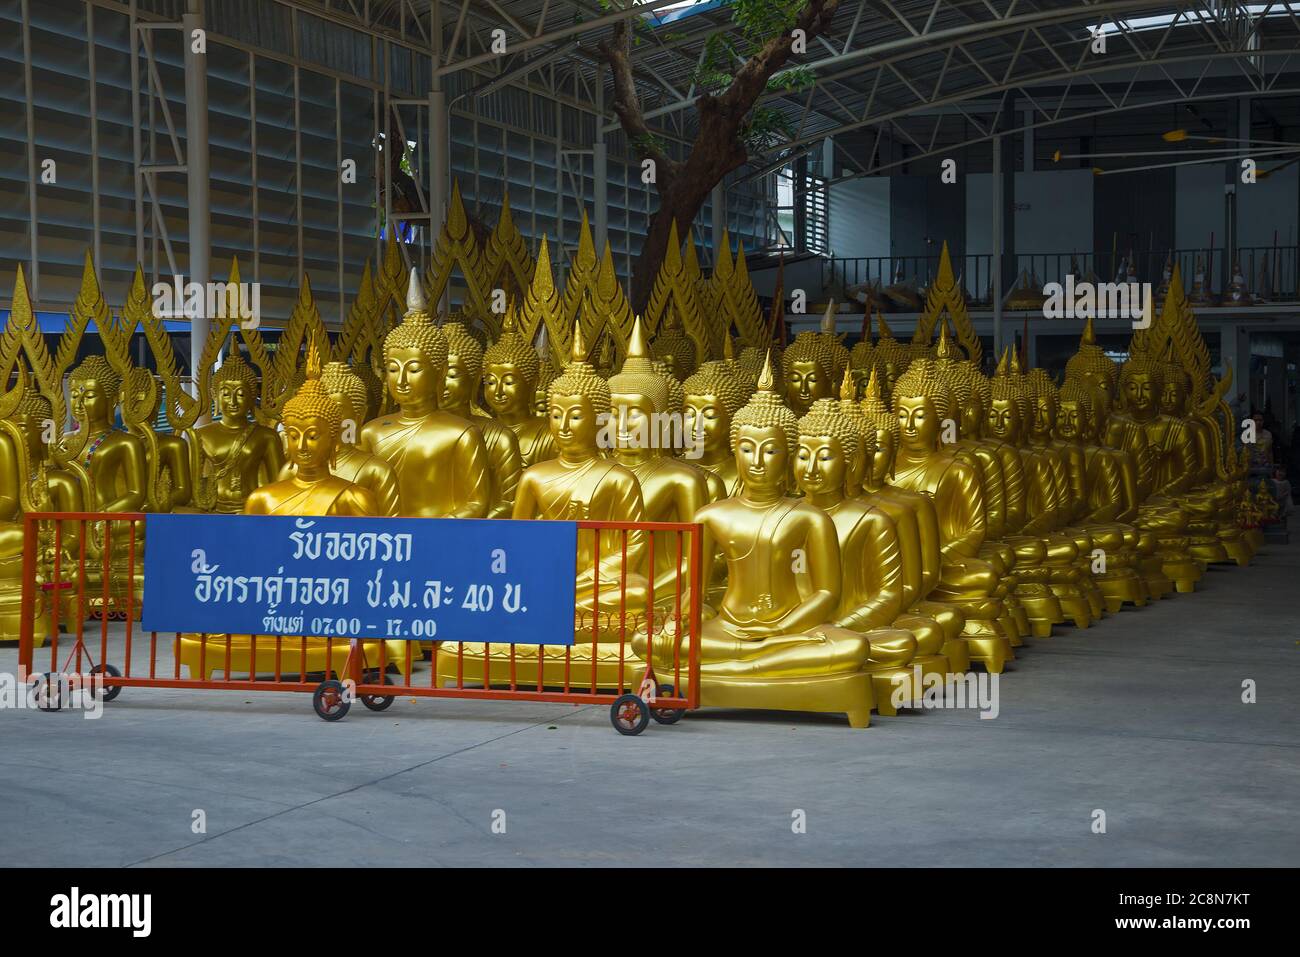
1133,427
167,454
23,414
917,525
440,459
712,397
891,357
460,388
808,371
348,391
923,464
772,643
579,484
829,459
1097,497
672,490
112,467
313,424
511,376
243,453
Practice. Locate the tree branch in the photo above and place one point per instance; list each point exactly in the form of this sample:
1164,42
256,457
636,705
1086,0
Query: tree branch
617,52
751,79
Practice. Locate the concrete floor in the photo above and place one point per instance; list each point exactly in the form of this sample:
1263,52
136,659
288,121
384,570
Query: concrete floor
1140,716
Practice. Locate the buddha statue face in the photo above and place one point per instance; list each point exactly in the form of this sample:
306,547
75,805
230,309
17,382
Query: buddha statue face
91,404
805,384
1140,393
971,416
505,388
31,423
541,403
1045,414
707,419
880,466
234,400
633,417
573,425
820,464
411,377
918,423
1071,420
309,441
1173,396
762,458
1003,420
457,383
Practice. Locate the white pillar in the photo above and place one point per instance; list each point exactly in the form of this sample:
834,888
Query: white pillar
996,266
196,172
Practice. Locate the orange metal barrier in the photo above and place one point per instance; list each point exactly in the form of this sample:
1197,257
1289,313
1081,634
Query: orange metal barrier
81,569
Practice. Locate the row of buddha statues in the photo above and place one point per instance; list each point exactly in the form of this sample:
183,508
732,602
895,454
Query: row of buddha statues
869,515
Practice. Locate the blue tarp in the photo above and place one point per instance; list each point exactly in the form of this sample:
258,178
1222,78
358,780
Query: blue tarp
56,322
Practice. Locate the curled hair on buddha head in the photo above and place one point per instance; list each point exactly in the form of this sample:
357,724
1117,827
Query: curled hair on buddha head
922,379
98,368
1090,359
337,378
513,348
580,378
313,401
1139,363
1039,384
714,379
673,341
464,347
810,347
641,375
765,410
1073,391
827,418
234,369
417,329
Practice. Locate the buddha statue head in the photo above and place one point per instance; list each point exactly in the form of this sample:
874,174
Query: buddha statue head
673,346
763,433
676,394
31,416
1140,384
576,400
862,356
1044,404
1176,385
1091,365
415,356
880,420
1074,421
809,367
234,388
752,358
464,368
312,424
93,391
922,401
892,356
139,397
541,401
348,391
712,398
1009,409
511,370
638,395
829,457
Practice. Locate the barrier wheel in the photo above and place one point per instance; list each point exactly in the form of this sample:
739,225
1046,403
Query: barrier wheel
377,702
629,714
110,692
46,683
667,715
329,702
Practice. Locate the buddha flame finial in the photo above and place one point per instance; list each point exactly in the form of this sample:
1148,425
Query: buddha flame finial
944,349
579,353
765,382
415,301
873,386
847,389
828,320
1089,337
1004,362
636,346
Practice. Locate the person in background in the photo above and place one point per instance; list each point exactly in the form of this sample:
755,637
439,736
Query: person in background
1282,493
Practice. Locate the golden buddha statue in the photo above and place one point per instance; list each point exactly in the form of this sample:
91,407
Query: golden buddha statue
891,357
713,397
313,424
917,524
579,484
511,378
441,462
673,346
671,490
243,453
351,464
772,643
460,388
862,356
921,403
830,459
167,454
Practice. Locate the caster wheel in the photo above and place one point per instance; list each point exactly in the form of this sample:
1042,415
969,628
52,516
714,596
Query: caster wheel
328,700
629,714
108,692
378,702
48,692
667,715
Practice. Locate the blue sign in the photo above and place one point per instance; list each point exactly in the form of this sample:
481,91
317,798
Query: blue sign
405,578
